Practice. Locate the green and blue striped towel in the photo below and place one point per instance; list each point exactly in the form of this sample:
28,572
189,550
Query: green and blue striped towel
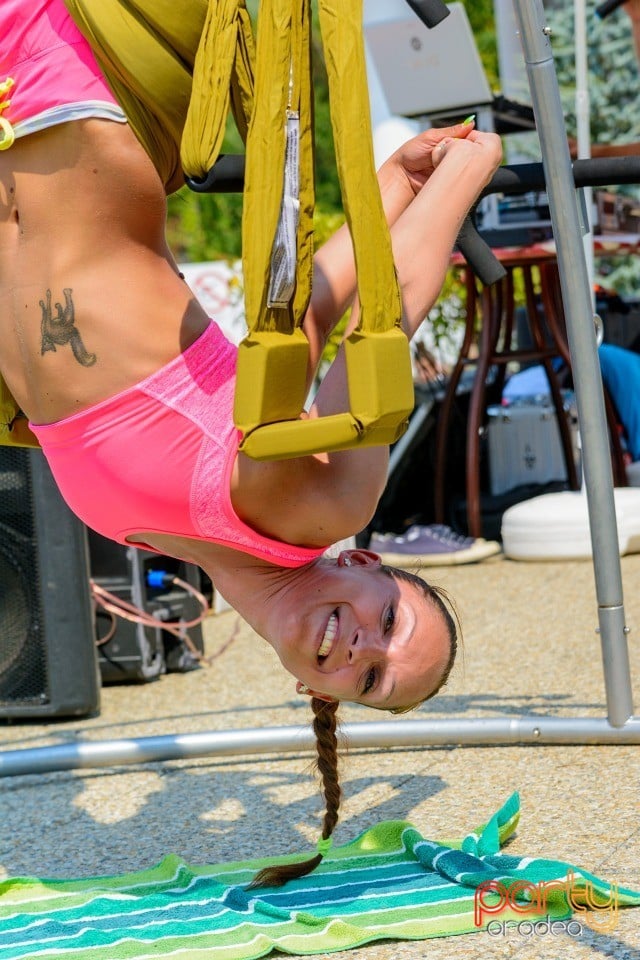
389,883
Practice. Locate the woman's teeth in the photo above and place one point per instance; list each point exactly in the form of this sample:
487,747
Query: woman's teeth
330,635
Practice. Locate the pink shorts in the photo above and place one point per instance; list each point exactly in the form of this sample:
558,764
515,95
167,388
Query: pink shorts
56,77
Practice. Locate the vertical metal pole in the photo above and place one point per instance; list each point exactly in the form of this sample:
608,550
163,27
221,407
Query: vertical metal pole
576,295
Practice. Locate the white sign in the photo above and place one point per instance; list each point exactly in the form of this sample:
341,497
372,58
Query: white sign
219,288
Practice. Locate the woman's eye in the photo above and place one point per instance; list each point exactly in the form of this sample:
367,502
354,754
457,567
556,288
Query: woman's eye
389,620
369,682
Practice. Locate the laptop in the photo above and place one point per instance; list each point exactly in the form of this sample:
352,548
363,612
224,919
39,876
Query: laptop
427,71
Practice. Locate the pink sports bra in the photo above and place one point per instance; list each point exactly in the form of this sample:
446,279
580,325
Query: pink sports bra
158,457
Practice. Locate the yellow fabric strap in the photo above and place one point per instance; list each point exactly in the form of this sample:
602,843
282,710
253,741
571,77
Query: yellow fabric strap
222,76
174,66
14,426
146,50
272,361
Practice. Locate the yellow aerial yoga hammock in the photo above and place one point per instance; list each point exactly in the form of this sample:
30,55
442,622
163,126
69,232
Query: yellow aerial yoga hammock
176,69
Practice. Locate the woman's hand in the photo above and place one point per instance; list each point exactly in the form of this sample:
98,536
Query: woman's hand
406,171
402,179
478,154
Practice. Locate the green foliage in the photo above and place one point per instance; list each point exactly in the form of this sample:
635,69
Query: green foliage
443,328
614,87
480,13
613,72
204,226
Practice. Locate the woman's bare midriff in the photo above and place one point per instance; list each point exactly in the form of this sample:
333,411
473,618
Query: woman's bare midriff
90,297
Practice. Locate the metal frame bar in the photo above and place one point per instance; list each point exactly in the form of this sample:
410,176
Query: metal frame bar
620,726
496,731
576,294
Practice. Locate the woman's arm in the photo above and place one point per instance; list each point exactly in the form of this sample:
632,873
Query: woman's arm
401,177
423,237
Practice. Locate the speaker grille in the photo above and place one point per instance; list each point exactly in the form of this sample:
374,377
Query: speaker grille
23,662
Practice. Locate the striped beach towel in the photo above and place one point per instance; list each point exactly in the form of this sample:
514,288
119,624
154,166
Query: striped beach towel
389,883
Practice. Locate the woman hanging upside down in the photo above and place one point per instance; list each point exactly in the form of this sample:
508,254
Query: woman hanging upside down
129,386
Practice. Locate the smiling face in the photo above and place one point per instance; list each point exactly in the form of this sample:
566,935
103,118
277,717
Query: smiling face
354,633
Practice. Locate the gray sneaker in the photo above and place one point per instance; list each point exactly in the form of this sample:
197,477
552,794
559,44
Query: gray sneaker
433,545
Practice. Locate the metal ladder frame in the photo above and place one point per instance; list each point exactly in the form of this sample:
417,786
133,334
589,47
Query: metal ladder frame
619,726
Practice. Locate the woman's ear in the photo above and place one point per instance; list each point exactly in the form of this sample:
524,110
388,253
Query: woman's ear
358,558
302,688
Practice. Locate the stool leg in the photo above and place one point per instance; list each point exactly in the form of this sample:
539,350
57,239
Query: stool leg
563,426
554,312
553,309
543,347
446,410
492,299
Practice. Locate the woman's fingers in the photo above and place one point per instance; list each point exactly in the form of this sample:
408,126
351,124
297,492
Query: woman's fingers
486,147
440,150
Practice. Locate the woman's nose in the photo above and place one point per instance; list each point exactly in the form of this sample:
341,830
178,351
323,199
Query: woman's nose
364,643
354,650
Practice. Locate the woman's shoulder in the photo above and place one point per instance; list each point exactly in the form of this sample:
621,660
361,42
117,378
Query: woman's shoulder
298,501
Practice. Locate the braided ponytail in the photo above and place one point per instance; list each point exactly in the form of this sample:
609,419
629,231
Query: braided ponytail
324,727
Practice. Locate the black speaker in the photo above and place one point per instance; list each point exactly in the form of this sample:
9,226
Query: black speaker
48,663
136,651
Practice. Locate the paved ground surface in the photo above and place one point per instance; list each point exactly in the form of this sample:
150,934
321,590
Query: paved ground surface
530,648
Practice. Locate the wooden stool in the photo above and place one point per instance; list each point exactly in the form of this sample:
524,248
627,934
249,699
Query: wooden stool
496,309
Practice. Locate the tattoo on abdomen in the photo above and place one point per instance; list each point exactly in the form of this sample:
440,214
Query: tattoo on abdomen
59,330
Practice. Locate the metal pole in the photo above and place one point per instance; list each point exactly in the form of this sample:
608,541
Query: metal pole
497,731
535,35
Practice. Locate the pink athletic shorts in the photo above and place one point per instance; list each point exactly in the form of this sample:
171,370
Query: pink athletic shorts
56,77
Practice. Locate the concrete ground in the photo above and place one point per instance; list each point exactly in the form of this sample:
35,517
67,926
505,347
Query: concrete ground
530,648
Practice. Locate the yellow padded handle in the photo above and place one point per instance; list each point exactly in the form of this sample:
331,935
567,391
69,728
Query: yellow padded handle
271,378
299,438
380,387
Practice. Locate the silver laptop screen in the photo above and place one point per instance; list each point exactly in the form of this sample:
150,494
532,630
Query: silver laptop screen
426,71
